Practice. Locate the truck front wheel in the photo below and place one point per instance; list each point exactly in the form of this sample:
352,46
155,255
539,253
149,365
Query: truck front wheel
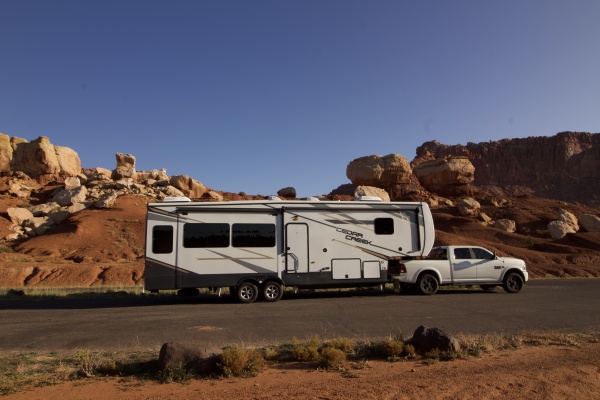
513,282
427,284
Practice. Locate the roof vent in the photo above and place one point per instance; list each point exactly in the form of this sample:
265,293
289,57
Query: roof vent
274,198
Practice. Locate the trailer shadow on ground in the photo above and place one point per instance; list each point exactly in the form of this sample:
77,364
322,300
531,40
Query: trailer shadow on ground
102,301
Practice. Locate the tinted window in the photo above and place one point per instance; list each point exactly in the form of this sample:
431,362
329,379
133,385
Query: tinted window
253,235
206,235
162,239
482,254
462,254
384,226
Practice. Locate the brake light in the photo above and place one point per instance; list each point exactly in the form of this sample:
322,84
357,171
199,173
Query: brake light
402,268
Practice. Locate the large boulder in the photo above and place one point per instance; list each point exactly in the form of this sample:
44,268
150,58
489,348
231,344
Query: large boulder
425,339
590,222
371,191
153,174
68,161
188,186
176,354
446,176
40,157
559,229
468,206
18,215
36,158
288,192
68,197
507,225
387,172
125,167
6,153
568,218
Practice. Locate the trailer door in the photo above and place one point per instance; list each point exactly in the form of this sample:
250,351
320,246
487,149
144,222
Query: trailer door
296,239
161,252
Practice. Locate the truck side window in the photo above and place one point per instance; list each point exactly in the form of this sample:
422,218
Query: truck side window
462,254
384,226
162,239
205,235
482,254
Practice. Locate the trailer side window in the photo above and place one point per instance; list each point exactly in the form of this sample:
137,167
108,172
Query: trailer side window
384,226
253,235
162,239
205,235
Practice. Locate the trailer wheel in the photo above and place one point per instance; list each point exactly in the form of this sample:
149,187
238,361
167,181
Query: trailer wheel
513,282
247,292
272,291
427,284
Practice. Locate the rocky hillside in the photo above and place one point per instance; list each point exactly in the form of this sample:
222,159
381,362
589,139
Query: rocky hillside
564,167
64,225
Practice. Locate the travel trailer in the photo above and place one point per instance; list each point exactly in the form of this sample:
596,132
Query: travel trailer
258,247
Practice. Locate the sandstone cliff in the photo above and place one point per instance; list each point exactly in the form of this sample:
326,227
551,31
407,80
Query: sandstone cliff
564,167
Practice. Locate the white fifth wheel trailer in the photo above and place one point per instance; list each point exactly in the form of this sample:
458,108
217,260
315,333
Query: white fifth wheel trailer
255,247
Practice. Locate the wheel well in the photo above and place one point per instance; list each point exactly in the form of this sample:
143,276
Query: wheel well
518,271
430,272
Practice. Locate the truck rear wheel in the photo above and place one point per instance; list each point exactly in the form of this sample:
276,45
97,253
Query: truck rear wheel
427,284
272,291
247,292
513,282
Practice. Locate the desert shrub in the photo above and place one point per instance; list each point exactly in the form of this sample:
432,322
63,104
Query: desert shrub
409,351
344,344
237,361
87,363
179,373
6,249
433,354
332,357
306,351
392,348
271,354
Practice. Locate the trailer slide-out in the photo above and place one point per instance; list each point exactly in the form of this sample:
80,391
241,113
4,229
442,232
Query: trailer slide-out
258,247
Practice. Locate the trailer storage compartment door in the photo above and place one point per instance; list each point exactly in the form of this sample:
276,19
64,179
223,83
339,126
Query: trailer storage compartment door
371,269
346,268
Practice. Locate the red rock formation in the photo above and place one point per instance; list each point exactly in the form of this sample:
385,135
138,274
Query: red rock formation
565,166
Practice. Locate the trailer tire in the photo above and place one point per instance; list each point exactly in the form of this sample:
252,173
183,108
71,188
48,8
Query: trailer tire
247,292
427,284
272,291
513,282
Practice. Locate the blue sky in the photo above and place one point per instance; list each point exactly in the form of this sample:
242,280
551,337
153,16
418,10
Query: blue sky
255,96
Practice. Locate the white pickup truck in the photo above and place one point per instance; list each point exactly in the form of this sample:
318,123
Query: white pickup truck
460,265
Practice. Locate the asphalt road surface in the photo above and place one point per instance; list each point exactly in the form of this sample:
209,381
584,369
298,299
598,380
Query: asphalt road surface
149,321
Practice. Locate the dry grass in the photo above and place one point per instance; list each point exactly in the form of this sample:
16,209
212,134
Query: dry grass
34,369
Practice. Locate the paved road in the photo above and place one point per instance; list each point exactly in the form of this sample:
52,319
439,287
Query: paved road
102,323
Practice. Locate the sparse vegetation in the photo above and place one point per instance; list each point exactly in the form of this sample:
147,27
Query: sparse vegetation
238,361
29,369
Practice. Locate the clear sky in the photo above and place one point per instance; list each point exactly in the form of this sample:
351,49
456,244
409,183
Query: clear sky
255,96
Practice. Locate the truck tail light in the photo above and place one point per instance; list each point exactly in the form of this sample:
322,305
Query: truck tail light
402,268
